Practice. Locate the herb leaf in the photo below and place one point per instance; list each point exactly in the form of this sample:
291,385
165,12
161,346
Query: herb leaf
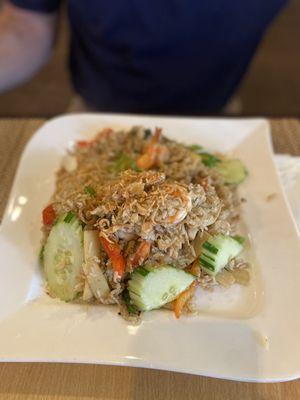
209,159
124,162
142,271
240,239
41,254
130,306
90,190
196,148
147,133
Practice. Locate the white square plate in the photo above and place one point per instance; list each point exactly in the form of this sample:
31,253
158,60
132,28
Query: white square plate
224,342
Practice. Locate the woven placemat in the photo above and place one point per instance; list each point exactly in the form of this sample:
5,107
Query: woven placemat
14,133
286,136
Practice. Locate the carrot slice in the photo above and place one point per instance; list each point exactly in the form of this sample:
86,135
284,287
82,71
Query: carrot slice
183,298
113,251
83,143
49,215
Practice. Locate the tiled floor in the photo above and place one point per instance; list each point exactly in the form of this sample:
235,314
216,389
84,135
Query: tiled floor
271,86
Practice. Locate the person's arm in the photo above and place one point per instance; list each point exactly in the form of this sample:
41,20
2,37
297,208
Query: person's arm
26,41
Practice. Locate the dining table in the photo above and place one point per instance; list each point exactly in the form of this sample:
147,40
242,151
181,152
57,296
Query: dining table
61,381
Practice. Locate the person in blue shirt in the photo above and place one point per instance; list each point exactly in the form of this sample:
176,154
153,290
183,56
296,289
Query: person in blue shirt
140,56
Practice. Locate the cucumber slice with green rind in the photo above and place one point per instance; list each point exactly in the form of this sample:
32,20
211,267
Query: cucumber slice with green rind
151,288
218,251
63,257
232,170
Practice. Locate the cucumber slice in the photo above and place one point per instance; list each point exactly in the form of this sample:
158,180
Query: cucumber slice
151,288
217,251
233,171
63,257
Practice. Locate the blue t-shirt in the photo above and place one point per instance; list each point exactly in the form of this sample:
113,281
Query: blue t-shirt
161,56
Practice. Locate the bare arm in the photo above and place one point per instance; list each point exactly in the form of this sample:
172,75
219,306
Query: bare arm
26,41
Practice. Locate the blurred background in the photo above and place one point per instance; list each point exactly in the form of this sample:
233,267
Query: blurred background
271,86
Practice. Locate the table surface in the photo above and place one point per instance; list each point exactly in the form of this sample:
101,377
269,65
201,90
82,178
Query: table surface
76,381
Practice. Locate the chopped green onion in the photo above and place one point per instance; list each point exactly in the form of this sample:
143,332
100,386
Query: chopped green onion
209,159
68,218
124,162
240,239
196,148
147,133
142,271
90,190
131,308
41,254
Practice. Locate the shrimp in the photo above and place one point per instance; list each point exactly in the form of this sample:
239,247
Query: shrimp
104,134
183,299
182,204
155,152
182,194
141,254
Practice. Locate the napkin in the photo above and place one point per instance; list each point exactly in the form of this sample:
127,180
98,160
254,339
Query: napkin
289,172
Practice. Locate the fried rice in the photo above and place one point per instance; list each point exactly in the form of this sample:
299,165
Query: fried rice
166,209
